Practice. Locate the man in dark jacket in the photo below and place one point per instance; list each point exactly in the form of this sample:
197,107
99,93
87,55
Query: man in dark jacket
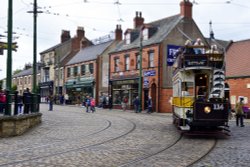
137,104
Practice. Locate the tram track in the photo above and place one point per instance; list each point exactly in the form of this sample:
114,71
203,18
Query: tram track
73,149
204,155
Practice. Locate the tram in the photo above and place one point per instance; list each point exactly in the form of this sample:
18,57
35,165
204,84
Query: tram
200,101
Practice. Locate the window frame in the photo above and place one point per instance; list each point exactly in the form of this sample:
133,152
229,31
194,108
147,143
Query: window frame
151,61
127,62
116,64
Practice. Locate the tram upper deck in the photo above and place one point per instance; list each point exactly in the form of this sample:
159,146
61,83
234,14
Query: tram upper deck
191,59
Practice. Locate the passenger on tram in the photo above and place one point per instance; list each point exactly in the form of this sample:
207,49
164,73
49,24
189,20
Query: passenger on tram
200,50
214,49
188,47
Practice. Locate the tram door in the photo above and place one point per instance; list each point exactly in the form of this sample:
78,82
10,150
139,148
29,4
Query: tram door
201,85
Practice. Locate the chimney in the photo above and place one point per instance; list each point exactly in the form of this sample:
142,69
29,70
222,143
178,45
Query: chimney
138,20
118,33
80,32
186,9
65,36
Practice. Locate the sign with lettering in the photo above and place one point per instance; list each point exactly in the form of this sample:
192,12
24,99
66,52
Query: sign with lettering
149,73
195,60
146,82
171,54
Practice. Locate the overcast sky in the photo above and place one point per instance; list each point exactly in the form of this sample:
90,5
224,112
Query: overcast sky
230,18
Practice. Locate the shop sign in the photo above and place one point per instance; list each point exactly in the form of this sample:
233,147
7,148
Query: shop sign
171,54
149,73
124,82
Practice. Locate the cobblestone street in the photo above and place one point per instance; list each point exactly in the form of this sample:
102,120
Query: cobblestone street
68,136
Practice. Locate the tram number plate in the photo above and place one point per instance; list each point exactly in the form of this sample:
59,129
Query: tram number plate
218,107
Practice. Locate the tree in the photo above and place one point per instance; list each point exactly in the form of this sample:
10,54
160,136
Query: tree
17,71
14,88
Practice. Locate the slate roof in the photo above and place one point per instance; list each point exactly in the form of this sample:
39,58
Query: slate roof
220,43
25,73
89,53
238,59
54,47
164,27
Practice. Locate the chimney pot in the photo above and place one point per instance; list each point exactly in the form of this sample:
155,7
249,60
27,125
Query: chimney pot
138,21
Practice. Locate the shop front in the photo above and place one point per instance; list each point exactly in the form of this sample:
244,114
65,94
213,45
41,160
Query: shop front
45,89
124,88
79,89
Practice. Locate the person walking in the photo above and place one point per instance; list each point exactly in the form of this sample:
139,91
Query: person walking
137,104
150,105
92,105
240,113
124,103
51,99
26,101
87,103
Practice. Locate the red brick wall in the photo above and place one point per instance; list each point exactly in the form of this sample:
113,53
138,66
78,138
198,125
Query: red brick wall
165,97
238,87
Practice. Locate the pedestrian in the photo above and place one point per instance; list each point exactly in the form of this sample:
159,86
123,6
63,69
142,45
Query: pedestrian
124,103
110,102
87,103
150,105
26,101
2,101
51,99
92,105
137,104
239,112
66,99
104,101
19,104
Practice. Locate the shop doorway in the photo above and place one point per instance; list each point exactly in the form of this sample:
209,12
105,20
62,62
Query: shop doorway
153,95
145,99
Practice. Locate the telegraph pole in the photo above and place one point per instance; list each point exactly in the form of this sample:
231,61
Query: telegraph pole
9,57
34,86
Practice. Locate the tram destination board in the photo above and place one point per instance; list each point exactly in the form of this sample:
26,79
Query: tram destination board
195,60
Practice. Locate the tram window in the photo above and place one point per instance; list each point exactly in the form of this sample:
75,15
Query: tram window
187,88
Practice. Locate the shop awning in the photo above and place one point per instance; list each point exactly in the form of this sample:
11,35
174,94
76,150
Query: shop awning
80,83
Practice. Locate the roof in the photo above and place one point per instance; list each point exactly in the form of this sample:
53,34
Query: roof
164,27
237,59
220,43
54,47
89,53
25,73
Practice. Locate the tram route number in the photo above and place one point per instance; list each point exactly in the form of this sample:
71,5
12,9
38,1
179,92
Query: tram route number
218,107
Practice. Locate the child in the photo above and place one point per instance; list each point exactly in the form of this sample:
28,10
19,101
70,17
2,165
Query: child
92,105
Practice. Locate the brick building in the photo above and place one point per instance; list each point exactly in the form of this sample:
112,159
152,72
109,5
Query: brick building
86,74
158,41
238,71
54,60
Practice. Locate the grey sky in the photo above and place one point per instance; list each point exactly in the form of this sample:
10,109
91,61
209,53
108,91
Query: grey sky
231,20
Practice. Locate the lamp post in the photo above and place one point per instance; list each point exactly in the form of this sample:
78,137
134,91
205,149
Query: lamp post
9,57
140,72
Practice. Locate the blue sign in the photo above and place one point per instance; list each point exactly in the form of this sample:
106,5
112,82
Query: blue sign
149,73
171,54
145,82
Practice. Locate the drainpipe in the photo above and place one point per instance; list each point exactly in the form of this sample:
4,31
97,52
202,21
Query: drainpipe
159,55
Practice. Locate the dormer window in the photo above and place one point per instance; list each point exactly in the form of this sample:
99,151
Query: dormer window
127,38
145,34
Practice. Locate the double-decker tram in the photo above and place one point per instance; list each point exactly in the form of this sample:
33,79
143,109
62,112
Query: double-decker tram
199,102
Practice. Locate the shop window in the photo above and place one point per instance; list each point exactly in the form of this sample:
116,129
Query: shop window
83,69
145,34
151,56
91,68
